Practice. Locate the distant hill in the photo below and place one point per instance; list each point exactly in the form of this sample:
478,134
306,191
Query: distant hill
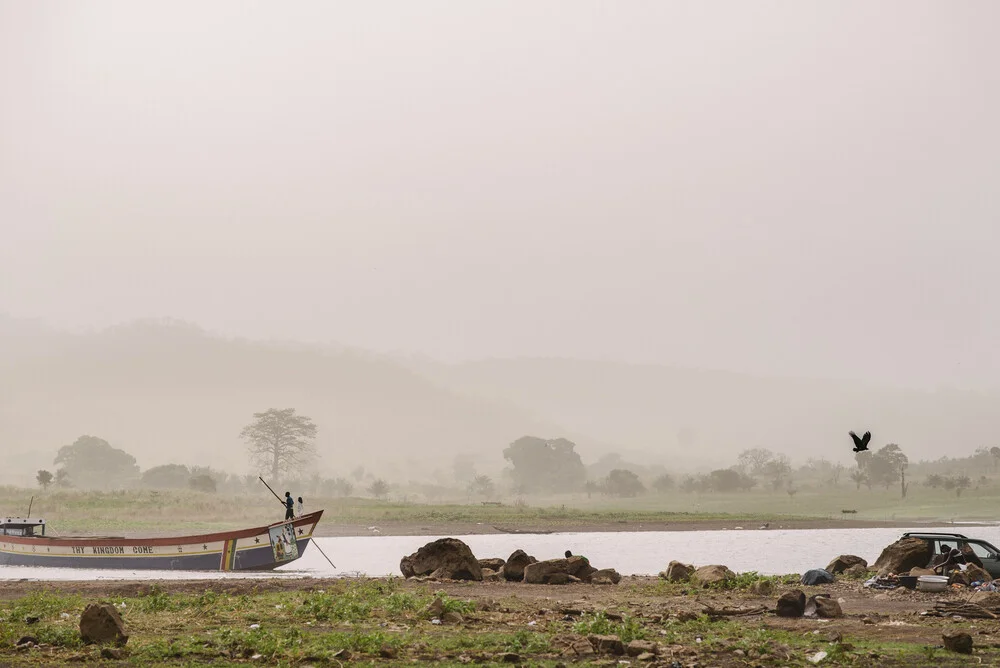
684,416
169,392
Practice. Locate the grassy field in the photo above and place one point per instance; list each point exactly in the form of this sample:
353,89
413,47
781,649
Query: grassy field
387,621
172,511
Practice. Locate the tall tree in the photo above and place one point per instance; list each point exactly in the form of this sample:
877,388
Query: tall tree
280,440
622,482
542,465
91,462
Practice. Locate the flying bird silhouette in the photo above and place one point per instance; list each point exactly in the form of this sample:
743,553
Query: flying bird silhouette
861,443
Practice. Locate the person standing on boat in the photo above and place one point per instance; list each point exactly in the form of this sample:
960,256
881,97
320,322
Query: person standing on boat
289,506
300,507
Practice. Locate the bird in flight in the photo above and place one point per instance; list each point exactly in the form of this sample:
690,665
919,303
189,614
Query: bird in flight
861,443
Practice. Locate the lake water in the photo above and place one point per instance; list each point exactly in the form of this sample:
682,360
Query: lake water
770,552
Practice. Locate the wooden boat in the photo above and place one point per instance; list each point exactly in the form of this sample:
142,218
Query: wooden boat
23,543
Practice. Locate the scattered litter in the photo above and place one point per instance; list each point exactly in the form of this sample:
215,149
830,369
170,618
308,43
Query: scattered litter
254,627
435,621
817,657
64,615
532,622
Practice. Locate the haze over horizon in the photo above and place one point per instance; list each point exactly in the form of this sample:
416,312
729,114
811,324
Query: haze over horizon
801,190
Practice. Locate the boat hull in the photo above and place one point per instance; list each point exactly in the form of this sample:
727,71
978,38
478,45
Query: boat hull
255,549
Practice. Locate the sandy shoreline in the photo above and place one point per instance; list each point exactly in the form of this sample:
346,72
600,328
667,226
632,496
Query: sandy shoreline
330,529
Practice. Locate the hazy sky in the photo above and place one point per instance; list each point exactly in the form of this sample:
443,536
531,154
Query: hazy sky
793,187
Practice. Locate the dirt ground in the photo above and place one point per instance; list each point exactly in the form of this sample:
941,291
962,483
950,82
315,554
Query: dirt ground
870,616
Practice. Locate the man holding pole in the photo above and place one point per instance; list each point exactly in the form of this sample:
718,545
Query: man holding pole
289,506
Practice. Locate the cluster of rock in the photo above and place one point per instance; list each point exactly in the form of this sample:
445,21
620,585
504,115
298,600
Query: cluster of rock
703,576
794,604
451,559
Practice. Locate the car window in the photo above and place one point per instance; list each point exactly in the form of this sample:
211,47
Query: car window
945,546
981,551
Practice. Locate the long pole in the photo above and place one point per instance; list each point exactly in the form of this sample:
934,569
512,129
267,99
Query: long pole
316,544
29,505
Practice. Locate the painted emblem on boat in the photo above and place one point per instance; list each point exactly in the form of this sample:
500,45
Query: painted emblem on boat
283,542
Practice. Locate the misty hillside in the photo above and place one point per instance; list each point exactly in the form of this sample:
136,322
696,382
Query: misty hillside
172,393
712,415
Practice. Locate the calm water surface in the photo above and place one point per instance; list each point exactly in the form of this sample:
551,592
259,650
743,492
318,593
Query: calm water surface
771,552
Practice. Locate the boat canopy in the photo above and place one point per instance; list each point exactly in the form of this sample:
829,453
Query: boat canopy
21,526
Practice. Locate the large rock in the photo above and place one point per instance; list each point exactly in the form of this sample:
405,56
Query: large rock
513,568
100,623
903,555
712,575
977,574
970,555
791,604
677,572
606,576
957,641
823,606
494,564
445,558
856,571
845,561
559,571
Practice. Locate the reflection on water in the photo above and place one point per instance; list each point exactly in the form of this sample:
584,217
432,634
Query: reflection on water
771,552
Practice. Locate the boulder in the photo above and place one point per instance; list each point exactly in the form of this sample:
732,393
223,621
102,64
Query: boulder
101,623
791,604
762,588
916,571
493,563
677,572
712,575
558,571
970,555
606,576
445,558
513,568
816,576
856,571
845,561
903,555
957,641
977,574
822,605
